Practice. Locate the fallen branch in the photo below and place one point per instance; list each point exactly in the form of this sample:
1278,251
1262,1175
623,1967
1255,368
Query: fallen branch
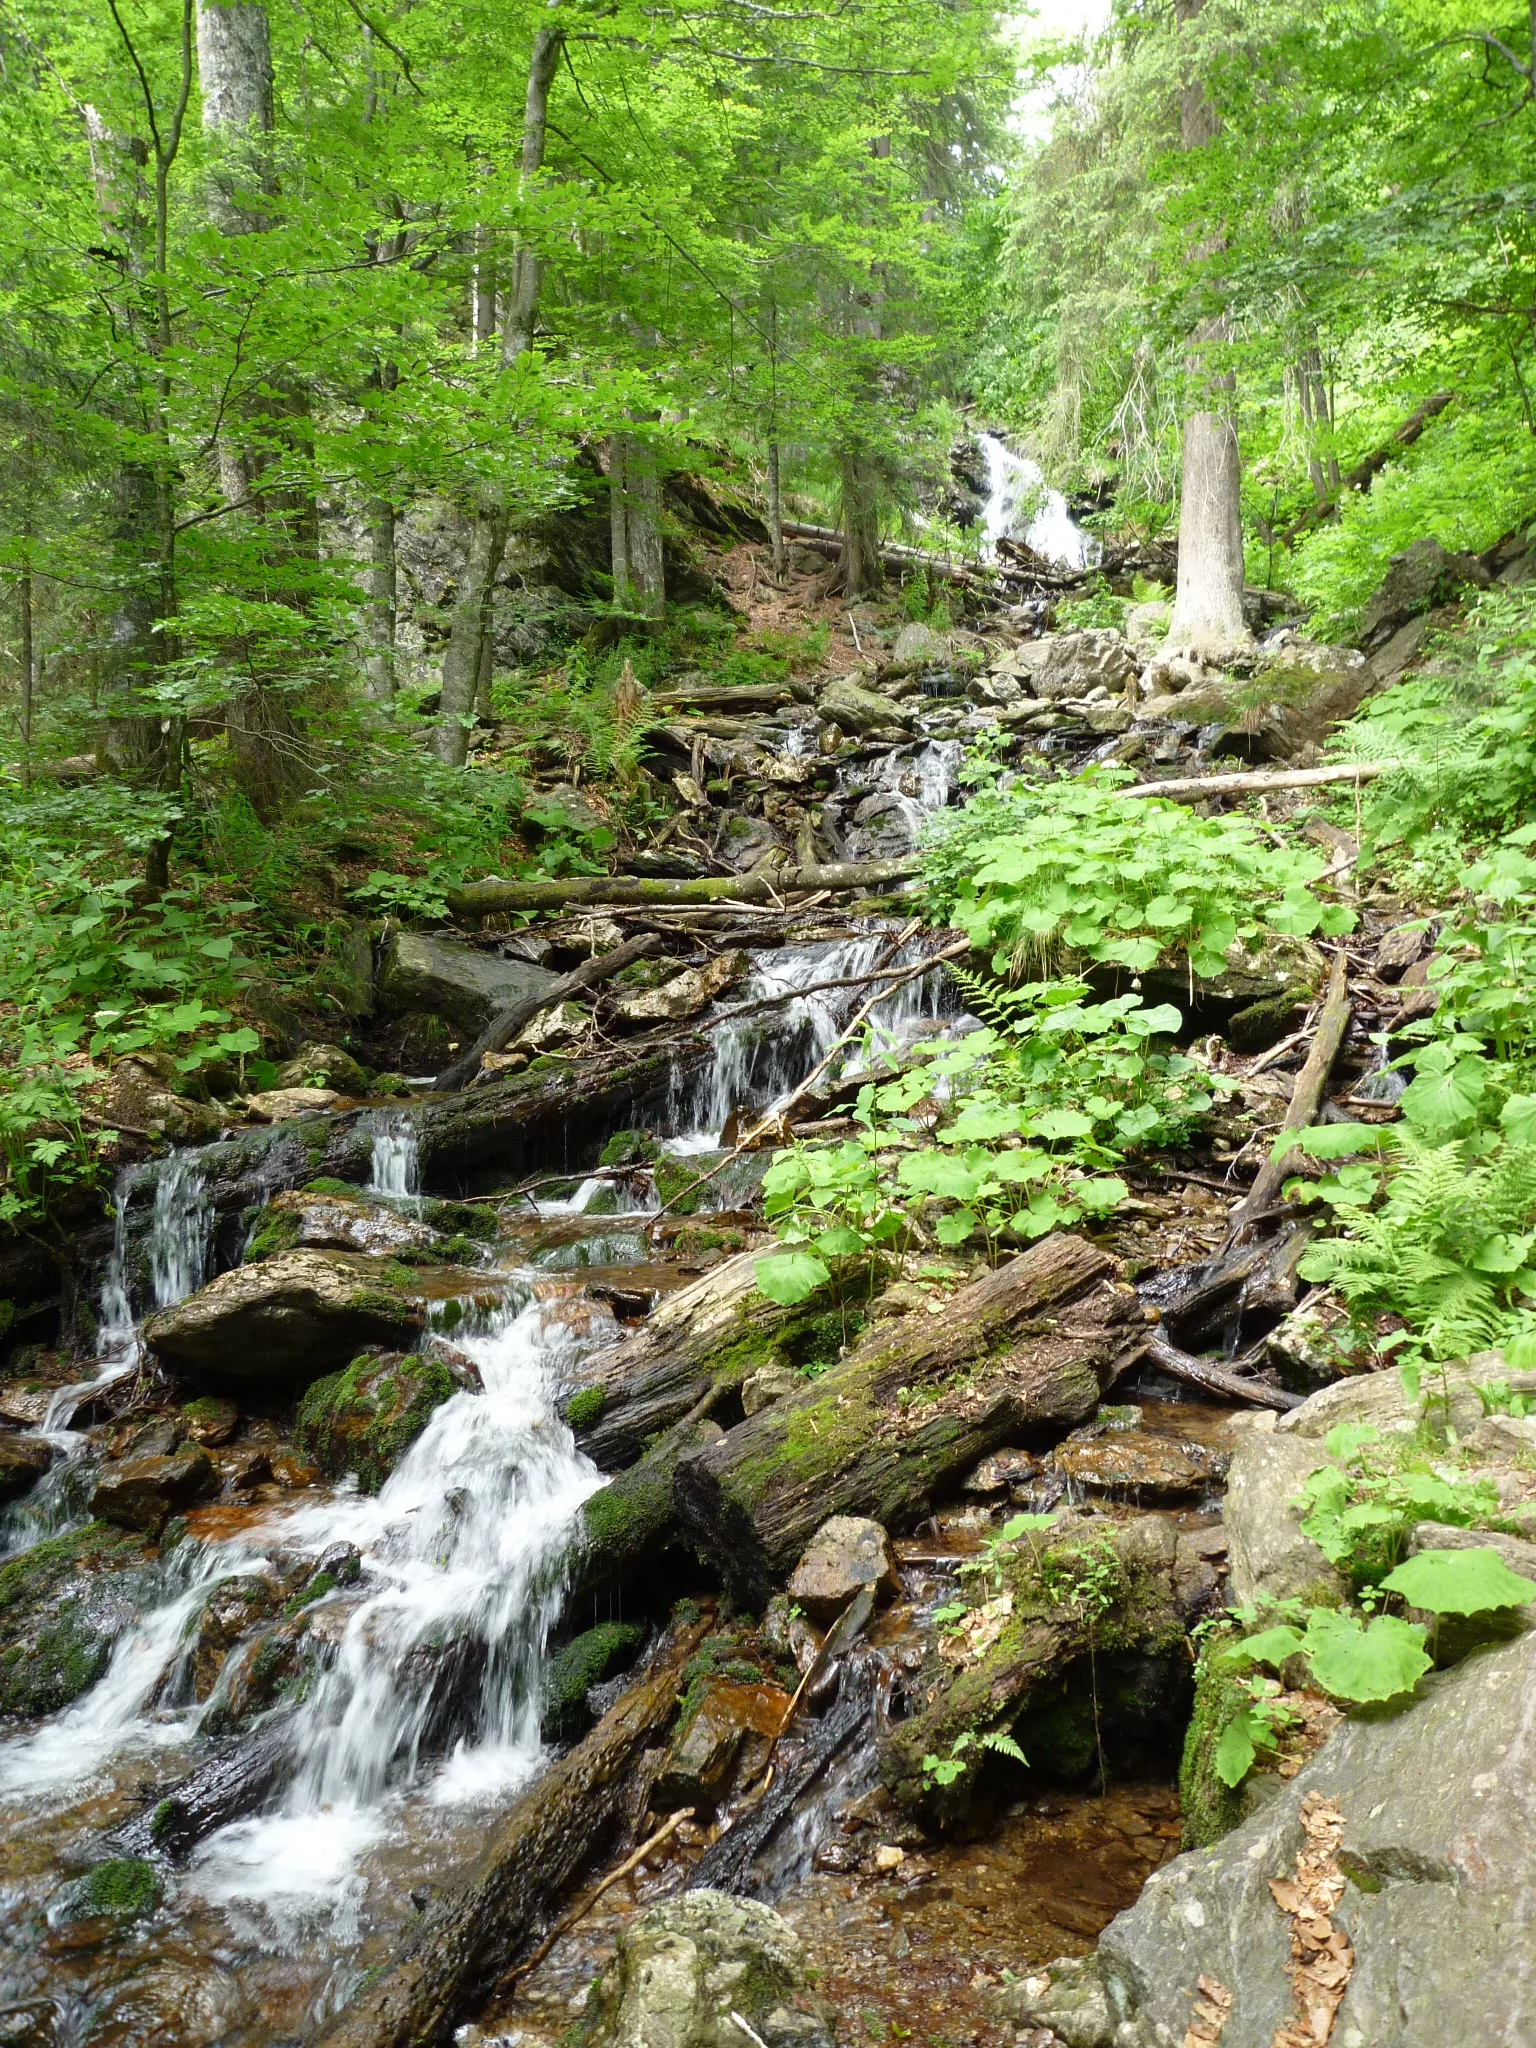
1210,1379
503,1029
479,899
1270,778
1363,474
668,1827
1332,1023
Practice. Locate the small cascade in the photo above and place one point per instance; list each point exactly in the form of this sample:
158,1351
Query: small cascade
1021,506
396,1168
895,796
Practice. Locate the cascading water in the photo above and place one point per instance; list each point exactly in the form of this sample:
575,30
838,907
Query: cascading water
1019,497
395,1166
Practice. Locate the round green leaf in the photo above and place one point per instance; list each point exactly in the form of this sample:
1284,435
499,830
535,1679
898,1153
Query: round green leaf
790,1277
1374,1663
1459,1582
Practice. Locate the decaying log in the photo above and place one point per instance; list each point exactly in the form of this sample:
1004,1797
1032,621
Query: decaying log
479,899
1027,1347
1305,1098
1257,783
474,1931
1361,476
1210,1379
501,1030
223,1789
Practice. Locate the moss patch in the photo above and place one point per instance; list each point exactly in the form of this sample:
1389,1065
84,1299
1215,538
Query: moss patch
364,1419
1211,1809
53,1641
583,1409
278,1231
584,1662
126,1887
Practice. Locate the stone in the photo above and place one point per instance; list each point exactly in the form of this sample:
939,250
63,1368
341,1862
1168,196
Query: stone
23,1461
702,1762
143,1493
858,710
705,1970
277,1105
917,644
1452,1636
748,842
1398,951
1000,1473
585,1661
323,1066
1146,628
1378,1398
301,1220
139,1098
1269,1555
768,1384
846,1553
156,1438
282,1322
457,983
1390,660
686,994
561,1024
364,1420
1071,664
63,1604
563,810
25,1402
1067,1997
1126,1464
1439,1851
1508,1438
1414,579
177,1994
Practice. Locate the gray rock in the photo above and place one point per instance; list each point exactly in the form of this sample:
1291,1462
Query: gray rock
846,704
1067,1996
1071,664
1398,950
1268,1554
919,643
444,977
768,1384
1410,585
575,813
23,1461
323,1066
1389,661
705,1971
847,1552
1439,1806
282,1322
1378,1398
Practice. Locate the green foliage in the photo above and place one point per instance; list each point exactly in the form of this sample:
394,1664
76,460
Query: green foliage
944,1771
583,1408
125,1887
1070,870
1360,1512
1350,1659
1459,1582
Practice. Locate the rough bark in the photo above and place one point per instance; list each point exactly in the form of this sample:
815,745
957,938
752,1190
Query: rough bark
475,1930
775,514
467,633
223,1789
1027,1347
1208,617
634,492
234,67
479,899
860,559
1306,1098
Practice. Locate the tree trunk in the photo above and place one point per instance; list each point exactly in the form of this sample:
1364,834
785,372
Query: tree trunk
28,668
380,613
1027,1347
775,513
861,531
479,899
464,655
634,490
132,742
477,1927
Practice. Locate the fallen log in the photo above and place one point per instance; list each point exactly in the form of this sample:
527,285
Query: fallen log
827,540
1210,1379
1306,1097
1364,473
479,899
223,1789
1028,1347
501,1030
1257,784
722,697
473,1933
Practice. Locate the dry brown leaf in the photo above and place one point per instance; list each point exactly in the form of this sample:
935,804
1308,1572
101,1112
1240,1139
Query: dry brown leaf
1322,1961
1213,2008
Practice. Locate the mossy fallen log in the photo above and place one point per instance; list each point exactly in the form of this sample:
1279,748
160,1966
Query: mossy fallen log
478,1926
1028,1347
480,899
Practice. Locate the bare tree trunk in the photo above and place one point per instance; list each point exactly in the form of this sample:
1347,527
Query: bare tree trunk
470,624
775,513
28,668
618,516
1208,618
861,530
132,742
379,614
634,488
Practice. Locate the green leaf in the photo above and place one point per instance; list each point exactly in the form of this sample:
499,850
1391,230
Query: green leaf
1345,1439
1373,1663
1459,1582
790,1277
1444,1102
1234,1754
1329,1141
1269,1646
1061,1123
956,1227
1518,1119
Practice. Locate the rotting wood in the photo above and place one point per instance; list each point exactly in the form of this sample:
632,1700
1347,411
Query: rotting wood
474,1931
1210,1379
1256,784
481,899
500,1032
914,1404
574,1918
1306,1096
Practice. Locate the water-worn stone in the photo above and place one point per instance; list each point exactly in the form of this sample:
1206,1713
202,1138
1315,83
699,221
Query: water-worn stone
277,1105
919,643
562,1024
1269,1555
705,1971
283,1321
177,1994
23,1461
63,1604
686,994
1378,1398
209,1421
1127,1464
1001,1472
323,1066
143,1493
770,1383
302,1220
707,1746
447,979
847,1552
858,710
365,1419
1439,1846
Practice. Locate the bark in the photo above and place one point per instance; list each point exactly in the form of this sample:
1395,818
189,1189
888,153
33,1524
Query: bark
1306,1098
1027,1347
1360,477
234,65
775,513
28,669
503,1029
476,1929
380,615
470,628
1210,1379
1199,786
860,560
634,490
1208,617
223,1789
479,899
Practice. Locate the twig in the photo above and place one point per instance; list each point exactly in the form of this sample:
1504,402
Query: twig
1332,1023
814,988
1199,1372
501,1030
669,1826
1244,785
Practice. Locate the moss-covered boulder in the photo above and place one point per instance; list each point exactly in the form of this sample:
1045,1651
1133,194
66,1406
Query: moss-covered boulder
122,1888
63,1604
586,1660
285,1321
366,1417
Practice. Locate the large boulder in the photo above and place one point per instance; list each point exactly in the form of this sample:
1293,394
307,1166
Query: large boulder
365,1419
1071,664
23,1461
847,704
320,1219
143,1493
63,1604
704,1971
1269,1555
1416,578
283,1321
1439,1852
448,979
917,644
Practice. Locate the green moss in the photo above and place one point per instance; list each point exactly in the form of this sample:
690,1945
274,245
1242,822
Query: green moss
206,1408
381,1306
126,1887
585,1661
321,1584
1210,1808
364,1419
460,1219
676,1185
161,1818
51,1646
277,1232
331,1187
583,1409
623,1518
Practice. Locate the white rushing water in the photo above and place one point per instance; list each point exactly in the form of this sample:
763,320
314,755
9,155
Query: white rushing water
395,1165
1022,506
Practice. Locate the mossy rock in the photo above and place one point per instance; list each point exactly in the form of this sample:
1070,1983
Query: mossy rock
364,1419
63,1604
1210,1808
123,1888
585,1661
278,1231
675,1184
583,1409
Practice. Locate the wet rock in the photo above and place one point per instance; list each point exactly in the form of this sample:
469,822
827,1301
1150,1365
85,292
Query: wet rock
323,1066
686,994
1000,1473
277,1105
1067,1997
177,1995
768,1384
1439,1849
303,1220
585,1661
290,1470
34,2023
789,1635
365,1419
1129,1465
562,1024
281,1322
230,1612
454,982
846,1553
63,1604
726,1716
1271,1557
140,1096
25,1402
705,1971
143,1493
858,710
23,1461
122,1888
1398,951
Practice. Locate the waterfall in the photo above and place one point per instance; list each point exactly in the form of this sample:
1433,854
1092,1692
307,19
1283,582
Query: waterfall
1018,496
396,1168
